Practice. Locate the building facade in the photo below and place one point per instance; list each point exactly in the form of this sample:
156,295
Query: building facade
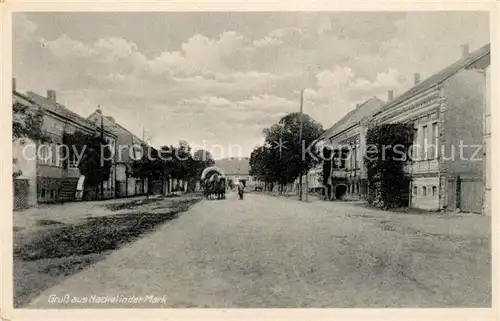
311,182
346,141
447,111
55,181
128,148
450,112
24,160
487,145
237,170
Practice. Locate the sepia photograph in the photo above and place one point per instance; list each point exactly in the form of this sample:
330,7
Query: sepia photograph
251,159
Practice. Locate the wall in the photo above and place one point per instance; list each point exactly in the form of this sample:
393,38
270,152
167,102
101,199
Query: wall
429,201
131,186
25,161
463,121
487,156
53,179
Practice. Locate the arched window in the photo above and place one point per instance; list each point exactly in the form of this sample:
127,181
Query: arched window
434,190
424,191
415,190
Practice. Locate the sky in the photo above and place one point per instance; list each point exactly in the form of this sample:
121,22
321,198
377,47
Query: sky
217,79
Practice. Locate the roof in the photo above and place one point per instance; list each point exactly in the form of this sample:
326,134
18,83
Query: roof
60,110
353,117
125,138
112,123
441,76
20,98
234,166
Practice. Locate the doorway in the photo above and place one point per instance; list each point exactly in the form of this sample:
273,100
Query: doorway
340,191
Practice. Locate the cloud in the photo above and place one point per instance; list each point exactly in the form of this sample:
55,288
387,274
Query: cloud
426,43
279,37
67,48
23,29
231,81
199,55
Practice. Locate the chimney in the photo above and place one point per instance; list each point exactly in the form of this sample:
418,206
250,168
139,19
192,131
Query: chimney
13,84
357,106
51,95
416,78
390,95
465,50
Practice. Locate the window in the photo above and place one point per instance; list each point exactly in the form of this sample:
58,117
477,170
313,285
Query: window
73,163
353,157
358,156
425,141
424,191
52,193
416,140
415,190
435,135
43,192
55,155
434,190
60,155
44,154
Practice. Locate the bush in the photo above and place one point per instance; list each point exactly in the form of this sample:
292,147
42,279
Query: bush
388,182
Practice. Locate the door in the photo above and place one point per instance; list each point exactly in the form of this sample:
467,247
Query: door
471,191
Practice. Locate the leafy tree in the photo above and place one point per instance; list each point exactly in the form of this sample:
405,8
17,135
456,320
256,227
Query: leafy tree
27,122
176,162
95,162
387,153
200,160
284,157
150,166
263,164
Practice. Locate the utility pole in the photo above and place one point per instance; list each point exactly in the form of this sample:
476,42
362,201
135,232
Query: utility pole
300,142
101,160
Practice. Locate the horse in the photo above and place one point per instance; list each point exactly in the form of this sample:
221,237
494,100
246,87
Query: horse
221,188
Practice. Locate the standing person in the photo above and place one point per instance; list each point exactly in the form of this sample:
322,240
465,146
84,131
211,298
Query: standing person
240,190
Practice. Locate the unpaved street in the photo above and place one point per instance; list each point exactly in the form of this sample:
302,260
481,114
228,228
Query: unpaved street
279,253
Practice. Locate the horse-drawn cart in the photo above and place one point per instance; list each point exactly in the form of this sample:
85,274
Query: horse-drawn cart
213,182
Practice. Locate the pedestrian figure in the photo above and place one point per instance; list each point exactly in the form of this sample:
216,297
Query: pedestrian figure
240,190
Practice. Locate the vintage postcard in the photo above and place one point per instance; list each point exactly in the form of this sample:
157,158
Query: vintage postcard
191,160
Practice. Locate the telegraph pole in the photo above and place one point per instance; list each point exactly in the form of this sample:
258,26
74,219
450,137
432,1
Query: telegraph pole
101,160
300,142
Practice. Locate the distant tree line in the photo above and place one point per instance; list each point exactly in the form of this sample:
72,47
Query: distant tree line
172,163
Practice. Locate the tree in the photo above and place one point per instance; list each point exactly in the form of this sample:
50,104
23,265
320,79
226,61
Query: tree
95,162
149,166
27,122
263,164
177,162
388,182
284,157
200,160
